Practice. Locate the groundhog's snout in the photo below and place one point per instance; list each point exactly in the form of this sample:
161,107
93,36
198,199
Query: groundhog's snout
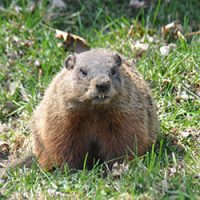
103,84
102,90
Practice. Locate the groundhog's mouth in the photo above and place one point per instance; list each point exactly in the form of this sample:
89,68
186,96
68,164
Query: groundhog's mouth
101,98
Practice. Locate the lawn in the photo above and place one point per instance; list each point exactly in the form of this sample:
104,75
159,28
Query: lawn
30,55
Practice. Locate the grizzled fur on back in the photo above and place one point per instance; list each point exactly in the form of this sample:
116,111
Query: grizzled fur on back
97,106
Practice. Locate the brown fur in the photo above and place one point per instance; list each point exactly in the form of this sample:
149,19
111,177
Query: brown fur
66,126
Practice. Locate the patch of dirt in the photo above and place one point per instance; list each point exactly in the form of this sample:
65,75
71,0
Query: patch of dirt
4,151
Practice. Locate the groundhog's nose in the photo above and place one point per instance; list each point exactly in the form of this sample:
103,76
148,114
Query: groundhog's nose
103,84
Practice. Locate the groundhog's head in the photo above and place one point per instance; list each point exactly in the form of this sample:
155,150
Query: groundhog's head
95,76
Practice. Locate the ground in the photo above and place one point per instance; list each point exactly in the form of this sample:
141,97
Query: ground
30,55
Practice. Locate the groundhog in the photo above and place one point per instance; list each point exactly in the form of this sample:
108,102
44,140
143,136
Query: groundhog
98,108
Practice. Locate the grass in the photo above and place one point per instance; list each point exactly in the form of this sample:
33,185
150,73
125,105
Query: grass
30,57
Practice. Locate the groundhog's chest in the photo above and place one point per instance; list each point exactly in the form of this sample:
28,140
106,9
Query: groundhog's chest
92,124
100,125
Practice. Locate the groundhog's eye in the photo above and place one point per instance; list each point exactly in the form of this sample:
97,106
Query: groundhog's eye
83,72
113,71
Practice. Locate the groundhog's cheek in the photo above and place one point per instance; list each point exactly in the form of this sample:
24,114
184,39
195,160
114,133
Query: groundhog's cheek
91,92
80,89
119,88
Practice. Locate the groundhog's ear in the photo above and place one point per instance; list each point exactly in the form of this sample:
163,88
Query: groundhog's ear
70,62
117,59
